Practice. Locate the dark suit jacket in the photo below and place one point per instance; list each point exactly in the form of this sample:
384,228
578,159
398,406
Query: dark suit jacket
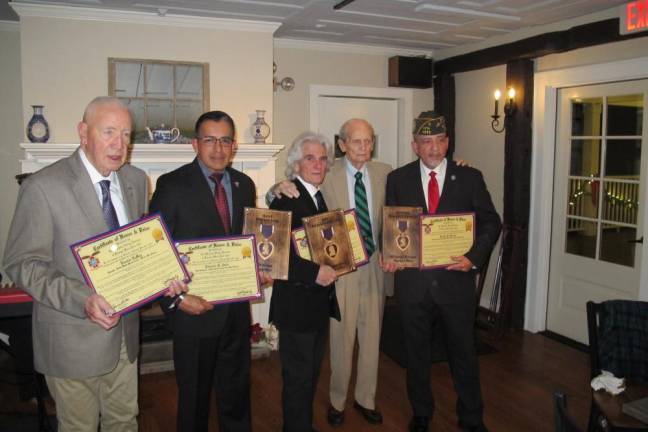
187,205
300,304
464,190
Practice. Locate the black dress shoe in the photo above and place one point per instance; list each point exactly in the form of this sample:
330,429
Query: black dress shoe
334,417
419,424
373,416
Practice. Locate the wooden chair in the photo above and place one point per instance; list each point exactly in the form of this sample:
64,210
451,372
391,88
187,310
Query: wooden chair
563,422
616,328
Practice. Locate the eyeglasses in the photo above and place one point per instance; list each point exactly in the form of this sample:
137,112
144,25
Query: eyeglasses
224,141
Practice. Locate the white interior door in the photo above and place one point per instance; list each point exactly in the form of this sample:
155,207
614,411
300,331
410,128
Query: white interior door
599,184
333,111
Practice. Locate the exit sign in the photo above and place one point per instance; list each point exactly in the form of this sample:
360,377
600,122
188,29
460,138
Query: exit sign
634,17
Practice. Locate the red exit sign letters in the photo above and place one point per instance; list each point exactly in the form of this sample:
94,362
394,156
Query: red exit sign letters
634,17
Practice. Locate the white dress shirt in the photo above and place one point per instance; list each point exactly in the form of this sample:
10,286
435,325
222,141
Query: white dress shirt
312,190
115,189
366,180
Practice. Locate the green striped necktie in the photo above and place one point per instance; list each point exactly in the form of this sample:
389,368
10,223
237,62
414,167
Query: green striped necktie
362,211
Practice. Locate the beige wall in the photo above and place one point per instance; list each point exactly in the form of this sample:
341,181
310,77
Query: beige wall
11,124
313,66
65,65
477,143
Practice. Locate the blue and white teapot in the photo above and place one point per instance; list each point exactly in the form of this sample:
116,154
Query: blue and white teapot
163,135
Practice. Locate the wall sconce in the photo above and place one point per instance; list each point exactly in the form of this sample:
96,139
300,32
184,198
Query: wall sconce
509,110
286,83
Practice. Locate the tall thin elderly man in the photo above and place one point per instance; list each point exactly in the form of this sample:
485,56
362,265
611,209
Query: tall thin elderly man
87,353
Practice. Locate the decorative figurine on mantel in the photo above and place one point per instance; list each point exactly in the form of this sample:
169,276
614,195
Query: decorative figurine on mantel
260,129
163,134
37,128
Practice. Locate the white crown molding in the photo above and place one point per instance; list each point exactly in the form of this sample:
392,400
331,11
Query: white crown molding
9,26
136,17
348,47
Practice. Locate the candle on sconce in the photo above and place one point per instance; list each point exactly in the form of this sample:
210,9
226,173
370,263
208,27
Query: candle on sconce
511,95
497,95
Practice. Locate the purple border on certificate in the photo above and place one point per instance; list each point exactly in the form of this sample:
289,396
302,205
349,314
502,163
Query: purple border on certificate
364,248
424,215
86,277
259,295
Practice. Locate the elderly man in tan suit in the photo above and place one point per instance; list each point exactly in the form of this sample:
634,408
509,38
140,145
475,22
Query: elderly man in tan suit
87,353
355,181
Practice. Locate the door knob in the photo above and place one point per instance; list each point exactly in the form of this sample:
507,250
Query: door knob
639,240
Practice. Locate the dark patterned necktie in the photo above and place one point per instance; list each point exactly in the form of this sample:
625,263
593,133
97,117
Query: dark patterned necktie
321,205
433,193
220,200
362,211
107,208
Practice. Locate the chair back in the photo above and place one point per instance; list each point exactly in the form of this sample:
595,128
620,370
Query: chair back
618,338
563,422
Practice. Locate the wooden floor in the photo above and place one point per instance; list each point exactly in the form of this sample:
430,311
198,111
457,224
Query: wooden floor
517,383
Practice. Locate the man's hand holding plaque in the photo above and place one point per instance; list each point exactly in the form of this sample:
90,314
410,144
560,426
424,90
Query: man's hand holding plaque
329,242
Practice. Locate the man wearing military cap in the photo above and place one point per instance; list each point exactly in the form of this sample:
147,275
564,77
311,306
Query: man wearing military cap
443,296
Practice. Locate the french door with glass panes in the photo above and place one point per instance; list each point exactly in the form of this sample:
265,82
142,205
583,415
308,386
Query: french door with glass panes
599,183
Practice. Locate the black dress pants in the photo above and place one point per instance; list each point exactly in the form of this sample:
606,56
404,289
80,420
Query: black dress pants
301,359
456,321
221,362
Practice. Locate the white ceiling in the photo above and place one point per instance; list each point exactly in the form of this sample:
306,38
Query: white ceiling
422,25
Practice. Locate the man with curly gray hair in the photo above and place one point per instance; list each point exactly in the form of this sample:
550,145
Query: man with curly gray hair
301,306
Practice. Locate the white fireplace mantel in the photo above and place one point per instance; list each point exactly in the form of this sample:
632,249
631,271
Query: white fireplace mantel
256,160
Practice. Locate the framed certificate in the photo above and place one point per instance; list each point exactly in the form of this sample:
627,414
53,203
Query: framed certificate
131,265
224,269
445,235
300,241
271,229
329,241
401,235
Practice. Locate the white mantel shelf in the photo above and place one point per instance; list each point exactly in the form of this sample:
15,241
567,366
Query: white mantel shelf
256,160
50,152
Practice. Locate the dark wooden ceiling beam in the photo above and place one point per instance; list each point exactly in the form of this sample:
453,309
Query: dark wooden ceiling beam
536,46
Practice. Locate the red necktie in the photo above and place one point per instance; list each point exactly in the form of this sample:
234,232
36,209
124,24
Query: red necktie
220,199
433,193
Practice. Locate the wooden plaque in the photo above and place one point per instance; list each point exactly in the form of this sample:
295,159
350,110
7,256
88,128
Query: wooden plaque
401,235
271,228
329,241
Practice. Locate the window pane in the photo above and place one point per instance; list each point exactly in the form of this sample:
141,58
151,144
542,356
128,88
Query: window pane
625,115
623,158
186,115
587,115
160,81
585,157
160,112
615,246
129,79
581,238
620,202
189,82
136,108
582,198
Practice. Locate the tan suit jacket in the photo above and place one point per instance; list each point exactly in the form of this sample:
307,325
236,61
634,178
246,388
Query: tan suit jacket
336,194
58,206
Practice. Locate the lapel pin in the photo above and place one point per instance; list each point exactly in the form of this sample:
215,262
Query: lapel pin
453,177
236,184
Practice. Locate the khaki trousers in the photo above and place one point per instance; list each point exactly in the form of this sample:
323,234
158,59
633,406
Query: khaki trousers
361,298
110,399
